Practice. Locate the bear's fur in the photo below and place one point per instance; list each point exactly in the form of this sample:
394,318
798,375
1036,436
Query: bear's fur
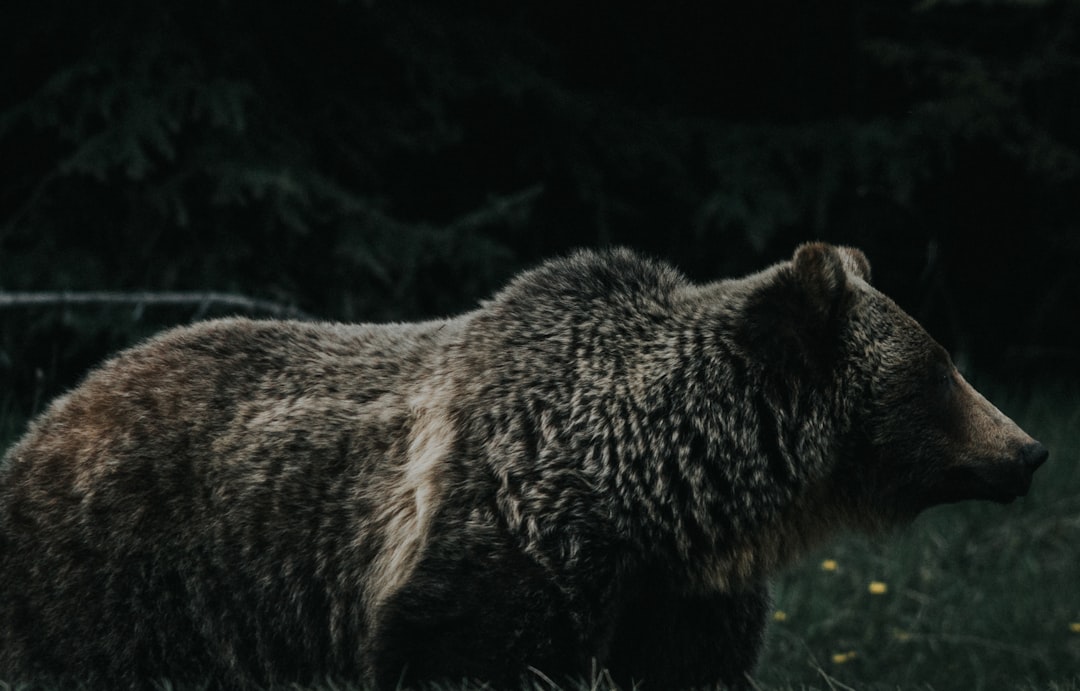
600,467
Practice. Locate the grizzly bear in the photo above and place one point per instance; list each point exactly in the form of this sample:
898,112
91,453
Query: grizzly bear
599,468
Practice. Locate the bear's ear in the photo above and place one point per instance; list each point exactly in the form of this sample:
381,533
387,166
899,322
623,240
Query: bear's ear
823,271
792,318
855,262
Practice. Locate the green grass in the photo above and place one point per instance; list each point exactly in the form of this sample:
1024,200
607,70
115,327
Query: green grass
978,596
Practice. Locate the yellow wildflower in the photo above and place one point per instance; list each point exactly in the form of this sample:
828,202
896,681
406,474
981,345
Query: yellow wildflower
901,635
878,588
841,658
828,565
779,615
1075,627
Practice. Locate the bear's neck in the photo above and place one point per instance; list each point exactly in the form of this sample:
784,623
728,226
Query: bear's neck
720,465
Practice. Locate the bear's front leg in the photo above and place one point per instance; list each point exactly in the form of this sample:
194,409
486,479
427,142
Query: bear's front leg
670,640
479,616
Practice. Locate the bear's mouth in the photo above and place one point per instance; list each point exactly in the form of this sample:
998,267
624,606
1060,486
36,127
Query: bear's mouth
1001,482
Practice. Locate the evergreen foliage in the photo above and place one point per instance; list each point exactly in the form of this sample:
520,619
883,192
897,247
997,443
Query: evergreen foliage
370,160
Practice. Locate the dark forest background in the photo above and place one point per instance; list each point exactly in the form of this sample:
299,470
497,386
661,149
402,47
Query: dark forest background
375,160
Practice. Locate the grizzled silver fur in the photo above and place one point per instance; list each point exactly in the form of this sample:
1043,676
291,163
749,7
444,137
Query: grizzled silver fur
600,466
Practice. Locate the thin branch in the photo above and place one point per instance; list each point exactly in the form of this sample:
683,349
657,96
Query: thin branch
202,300
498,209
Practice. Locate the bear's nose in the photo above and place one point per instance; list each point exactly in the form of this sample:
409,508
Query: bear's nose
1034,455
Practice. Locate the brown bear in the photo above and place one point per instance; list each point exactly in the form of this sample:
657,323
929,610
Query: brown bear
598,468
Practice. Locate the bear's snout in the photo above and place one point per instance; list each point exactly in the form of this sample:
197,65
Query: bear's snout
1031,456
1003,458
997,479
1034,455
1003,482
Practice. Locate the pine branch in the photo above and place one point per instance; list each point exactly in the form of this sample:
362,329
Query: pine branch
498,209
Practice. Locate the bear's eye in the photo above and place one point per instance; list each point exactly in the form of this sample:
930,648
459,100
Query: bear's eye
942,376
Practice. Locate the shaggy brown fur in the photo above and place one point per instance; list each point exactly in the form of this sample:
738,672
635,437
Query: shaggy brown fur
601,465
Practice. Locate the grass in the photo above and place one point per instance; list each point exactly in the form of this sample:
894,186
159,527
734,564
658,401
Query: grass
971,596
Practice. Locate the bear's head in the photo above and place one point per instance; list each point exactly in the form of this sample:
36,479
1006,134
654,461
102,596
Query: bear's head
916,433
